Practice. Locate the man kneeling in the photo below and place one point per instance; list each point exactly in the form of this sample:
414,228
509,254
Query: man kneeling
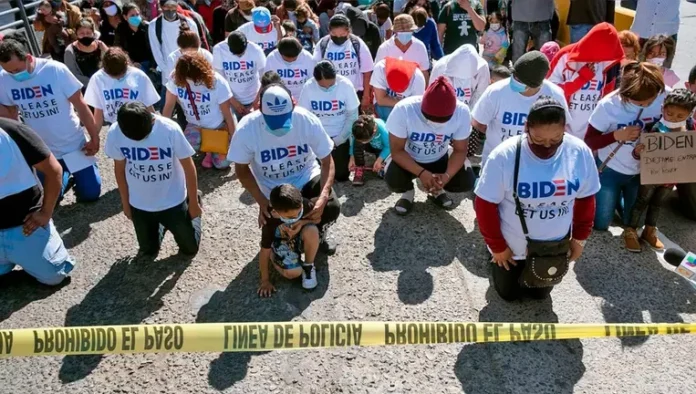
285,236
156,178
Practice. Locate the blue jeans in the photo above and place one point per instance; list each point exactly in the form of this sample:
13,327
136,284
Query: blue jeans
383,111
41,254
87,182
579,31
539,32
615,185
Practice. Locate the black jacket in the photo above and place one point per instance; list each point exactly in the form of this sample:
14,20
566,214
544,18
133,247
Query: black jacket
363,28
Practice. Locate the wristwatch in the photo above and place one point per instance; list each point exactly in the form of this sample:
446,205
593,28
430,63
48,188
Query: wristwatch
581,243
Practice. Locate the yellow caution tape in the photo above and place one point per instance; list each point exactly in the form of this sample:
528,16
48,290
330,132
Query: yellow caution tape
234,337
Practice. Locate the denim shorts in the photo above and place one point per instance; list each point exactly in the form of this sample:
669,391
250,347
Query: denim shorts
41,254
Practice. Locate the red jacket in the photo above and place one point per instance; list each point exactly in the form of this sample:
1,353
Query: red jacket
601,44
206,12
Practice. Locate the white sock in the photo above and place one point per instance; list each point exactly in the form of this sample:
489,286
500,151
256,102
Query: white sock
409,195
437,194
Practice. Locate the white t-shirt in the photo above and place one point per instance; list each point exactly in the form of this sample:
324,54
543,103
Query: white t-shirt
43,103
295,74
416,53
267,41
547,189
274,160
384,28
379,81
154,174
174,57
207,101
170,34
242,72
584,101
612,114
345,60
109,94
15,174
330,107
505,112
424,143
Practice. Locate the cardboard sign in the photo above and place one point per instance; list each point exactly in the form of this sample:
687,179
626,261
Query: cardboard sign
668,158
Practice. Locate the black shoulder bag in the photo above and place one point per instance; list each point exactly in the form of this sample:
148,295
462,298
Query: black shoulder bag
547,261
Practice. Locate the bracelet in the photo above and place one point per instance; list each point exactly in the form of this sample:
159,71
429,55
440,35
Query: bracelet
420,173
448,176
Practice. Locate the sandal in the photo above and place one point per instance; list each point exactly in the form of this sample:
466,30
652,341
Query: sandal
443,201
403,207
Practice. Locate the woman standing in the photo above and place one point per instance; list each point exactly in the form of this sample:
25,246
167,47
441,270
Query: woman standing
614,129
550,178
83,57
205,97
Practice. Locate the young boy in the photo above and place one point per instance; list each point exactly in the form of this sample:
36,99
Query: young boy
156,178
285,236
369,134
691,84
676,111
499,72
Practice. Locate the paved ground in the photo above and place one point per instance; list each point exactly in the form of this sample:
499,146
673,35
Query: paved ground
430,266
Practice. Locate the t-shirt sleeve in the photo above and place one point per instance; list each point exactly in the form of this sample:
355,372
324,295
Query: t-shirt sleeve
30,144
222,89
485,108
151,96
377,79
600,119
317,50
5,98
352,102
304,99
217,59
590,181
111,148
418,87
366,63
240,152
397,122
262,59
68,82
92,96
319,139
424,61
463,124
171,86
380,54
444,14
491,185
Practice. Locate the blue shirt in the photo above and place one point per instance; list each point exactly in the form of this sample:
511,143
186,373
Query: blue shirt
380,141
428,34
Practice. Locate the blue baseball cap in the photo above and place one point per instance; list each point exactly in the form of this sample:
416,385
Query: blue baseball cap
261,17
276,107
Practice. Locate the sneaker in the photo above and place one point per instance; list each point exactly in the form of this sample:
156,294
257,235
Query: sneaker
328,245
358,177
309,276
207,161
649,235
631,242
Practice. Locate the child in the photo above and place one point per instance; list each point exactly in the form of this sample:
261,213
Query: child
691,83
289,27
307,30
495,40
676,111
156,178
285,236
369,134
656,50
499,72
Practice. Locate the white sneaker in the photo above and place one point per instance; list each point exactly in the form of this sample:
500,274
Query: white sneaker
309,277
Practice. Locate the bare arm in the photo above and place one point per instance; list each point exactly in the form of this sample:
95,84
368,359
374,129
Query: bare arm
9,112
87,119
441,28
328,171
478,126
227,114
383,98
98,117
477,20
191,181
457,158
401,157
247,179
53,183
120,174
169,103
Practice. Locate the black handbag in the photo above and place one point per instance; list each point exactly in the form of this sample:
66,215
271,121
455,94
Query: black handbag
547,261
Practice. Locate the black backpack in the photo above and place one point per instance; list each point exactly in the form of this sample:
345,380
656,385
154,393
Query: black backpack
324,43
202,30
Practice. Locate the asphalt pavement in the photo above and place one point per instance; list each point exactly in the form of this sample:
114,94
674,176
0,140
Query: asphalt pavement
429,266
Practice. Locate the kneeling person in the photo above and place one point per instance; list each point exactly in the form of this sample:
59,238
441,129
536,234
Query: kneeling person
156,178
285,236
421,129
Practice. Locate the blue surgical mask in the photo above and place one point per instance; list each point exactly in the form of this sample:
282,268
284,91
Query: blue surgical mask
517,86
292,220
21,76
404,37
329,89
632,107
278,132
135,20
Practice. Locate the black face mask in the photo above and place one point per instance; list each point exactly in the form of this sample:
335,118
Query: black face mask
86,41
543,152
339,40
169,15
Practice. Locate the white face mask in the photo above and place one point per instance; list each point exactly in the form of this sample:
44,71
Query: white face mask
111,10
673,125
495,26
658,61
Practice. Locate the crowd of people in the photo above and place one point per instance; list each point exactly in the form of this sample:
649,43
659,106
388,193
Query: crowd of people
457,96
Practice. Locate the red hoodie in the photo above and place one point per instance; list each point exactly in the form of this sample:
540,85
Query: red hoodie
601,44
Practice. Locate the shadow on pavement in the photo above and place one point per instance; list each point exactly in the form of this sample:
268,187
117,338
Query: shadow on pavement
632,285
427,237
77,218
210,179
239,302
129,293
520,367
20,289
375,189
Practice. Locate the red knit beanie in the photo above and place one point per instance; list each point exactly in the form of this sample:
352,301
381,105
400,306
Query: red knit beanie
439,101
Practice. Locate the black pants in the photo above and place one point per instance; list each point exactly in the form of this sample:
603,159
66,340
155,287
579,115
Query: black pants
175,220
333,207
650,197
341,156
507,283
359,152
401,181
